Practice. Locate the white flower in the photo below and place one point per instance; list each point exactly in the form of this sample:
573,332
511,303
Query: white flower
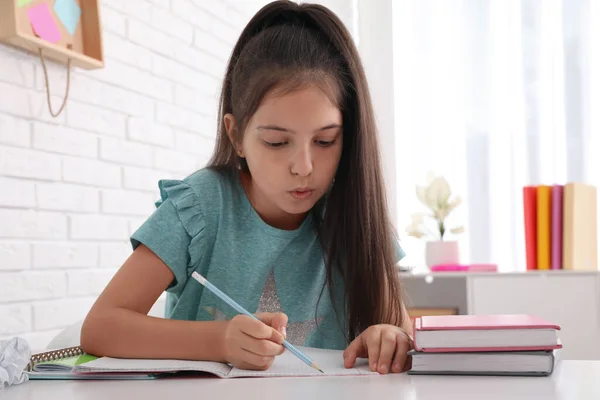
440,214
415,233
454,203
417,219
422,196
435,195
458,229
415,226
438,192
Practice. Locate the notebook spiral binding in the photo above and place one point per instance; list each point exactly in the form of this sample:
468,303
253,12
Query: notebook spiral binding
53,355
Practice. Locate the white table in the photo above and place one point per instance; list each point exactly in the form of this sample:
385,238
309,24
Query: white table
572,380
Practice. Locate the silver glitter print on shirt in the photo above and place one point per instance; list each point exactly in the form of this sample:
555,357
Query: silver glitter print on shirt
297,332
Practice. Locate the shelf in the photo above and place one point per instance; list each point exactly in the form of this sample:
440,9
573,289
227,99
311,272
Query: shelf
425,273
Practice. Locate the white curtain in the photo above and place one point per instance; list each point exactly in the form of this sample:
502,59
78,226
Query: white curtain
494,95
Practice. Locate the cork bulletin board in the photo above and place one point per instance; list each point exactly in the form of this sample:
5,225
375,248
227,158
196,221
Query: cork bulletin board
63,30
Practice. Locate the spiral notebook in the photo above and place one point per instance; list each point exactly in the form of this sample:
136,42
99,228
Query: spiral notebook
73,363
59,360
60,364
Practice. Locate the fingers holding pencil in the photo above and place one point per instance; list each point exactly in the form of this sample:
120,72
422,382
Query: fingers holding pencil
203,281
251,343
278,321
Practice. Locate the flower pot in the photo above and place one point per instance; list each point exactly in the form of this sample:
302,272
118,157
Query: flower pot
441,252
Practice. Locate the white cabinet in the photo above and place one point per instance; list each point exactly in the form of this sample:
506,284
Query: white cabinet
568,298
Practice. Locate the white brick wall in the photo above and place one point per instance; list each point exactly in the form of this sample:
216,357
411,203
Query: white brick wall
73,188
15,255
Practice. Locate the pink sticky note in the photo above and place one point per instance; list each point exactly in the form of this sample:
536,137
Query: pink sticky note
43,24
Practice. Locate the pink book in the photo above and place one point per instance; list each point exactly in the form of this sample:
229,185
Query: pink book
556,229
508,332
464,268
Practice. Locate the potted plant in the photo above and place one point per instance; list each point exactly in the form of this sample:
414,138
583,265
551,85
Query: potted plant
436,196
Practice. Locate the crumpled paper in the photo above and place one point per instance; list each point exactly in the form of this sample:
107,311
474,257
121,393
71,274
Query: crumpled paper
14,357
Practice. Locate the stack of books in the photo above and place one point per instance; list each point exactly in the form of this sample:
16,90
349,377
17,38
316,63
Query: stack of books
560,224
517,345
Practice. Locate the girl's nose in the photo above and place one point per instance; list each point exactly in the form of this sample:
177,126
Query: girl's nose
302,163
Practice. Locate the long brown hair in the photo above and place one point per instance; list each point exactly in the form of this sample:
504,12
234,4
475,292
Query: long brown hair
287,46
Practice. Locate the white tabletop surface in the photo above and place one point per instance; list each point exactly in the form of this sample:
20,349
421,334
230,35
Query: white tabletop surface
572,380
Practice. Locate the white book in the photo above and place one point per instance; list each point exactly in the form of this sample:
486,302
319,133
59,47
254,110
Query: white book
515,363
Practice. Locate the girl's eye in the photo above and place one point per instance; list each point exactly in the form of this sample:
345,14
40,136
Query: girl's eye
274,144
325,143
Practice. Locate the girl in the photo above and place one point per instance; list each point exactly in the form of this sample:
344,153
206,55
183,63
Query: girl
289,218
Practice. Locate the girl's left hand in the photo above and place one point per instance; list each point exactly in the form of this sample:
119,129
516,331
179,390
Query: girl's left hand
385,345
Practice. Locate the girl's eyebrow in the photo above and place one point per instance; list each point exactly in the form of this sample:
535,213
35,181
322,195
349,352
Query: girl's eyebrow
280,129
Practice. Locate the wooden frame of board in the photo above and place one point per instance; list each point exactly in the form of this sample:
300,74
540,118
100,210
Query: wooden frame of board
83,48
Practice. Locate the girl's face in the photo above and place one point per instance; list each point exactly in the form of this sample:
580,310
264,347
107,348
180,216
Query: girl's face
292,144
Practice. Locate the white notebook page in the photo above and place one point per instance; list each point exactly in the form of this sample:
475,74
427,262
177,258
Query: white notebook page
287,364
108,364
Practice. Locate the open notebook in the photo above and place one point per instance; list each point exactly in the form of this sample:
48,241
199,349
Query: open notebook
331,361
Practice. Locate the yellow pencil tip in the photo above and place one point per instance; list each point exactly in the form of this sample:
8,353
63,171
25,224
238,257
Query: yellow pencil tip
315,366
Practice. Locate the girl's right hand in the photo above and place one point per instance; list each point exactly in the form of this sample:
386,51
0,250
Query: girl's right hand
252,344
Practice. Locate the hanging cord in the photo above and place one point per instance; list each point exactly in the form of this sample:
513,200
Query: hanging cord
48,85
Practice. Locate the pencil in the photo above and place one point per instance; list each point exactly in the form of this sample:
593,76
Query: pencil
241,309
